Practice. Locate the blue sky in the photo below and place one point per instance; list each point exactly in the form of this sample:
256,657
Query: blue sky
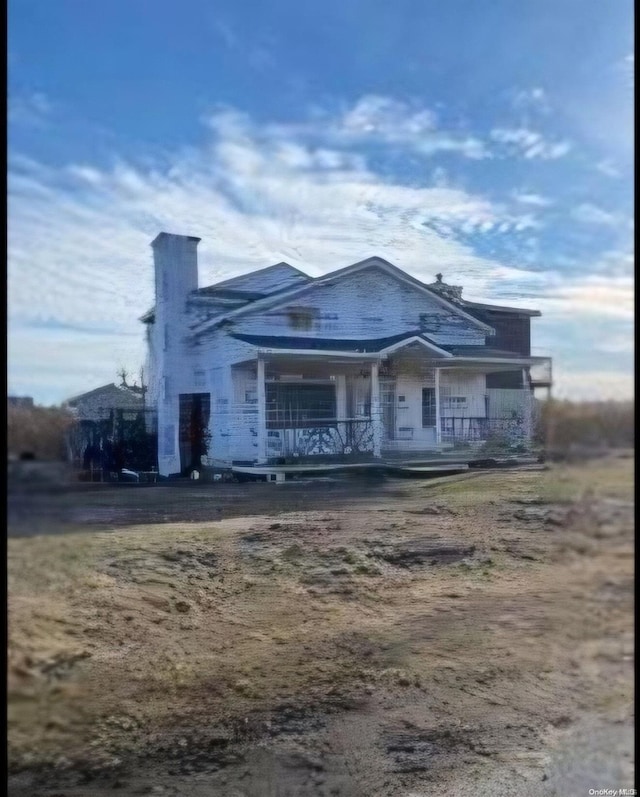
490,141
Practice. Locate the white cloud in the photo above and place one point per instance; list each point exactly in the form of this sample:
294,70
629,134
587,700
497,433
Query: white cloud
531,99
594,295
78,249
528,143
597,385
586,213
608,168
395,122
379,120
527,198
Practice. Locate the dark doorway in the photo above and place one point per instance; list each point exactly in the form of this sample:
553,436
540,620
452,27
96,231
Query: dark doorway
195,409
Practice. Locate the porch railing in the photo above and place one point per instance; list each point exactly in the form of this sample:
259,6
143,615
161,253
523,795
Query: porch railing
509,430
541,373
348,438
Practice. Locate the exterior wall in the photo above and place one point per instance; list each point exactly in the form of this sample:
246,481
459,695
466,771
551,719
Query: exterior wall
513,331
233,423
469,385
408,413
367,304
409,432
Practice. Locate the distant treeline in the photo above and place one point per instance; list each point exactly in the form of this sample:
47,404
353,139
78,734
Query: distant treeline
564,425
37,432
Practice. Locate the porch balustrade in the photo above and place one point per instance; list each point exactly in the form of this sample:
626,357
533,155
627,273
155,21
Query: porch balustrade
344,439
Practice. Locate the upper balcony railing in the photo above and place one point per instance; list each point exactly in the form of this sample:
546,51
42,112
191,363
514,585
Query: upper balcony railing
542,372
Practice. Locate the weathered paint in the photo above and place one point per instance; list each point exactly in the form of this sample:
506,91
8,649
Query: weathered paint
368,303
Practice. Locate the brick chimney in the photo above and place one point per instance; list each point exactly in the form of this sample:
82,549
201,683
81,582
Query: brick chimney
450,292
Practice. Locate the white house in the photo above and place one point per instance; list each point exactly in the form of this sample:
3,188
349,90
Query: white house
366,363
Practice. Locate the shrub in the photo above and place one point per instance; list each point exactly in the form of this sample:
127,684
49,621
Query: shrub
37,432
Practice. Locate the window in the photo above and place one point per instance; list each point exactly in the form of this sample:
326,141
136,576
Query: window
293,406
166,336
199,377
454,402
166,390
302,317
428,406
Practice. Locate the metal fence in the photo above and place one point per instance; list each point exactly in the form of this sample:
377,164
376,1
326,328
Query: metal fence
344,439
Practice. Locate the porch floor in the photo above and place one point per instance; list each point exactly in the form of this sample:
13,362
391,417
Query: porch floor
438,463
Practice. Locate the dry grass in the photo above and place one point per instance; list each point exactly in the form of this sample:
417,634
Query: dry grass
117,640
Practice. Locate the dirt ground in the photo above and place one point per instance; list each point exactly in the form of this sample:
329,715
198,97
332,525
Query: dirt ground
464,636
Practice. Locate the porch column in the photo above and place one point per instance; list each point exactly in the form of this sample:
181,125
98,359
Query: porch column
376,416
438,422
262,412
527,397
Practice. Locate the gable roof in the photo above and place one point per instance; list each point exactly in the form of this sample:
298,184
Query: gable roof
261,280
497,308
370,262
114,396
238,291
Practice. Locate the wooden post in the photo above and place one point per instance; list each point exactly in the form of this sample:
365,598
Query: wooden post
376,416
262,412
527,395
438,421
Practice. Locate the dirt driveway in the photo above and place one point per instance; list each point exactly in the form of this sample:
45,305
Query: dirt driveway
454,638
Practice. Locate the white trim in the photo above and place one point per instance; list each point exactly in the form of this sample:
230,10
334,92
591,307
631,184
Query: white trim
415,339
376,415
492,360
356,355
262,411
438,423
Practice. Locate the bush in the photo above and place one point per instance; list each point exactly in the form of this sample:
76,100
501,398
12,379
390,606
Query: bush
37,432
563,425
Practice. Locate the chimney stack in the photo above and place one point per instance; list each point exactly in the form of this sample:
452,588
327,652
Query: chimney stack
451,292
176,268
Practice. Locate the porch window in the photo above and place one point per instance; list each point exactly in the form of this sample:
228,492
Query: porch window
292,406
428,406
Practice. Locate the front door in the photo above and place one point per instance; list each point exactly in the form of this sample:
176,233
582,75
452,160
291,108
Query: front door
388,406
194,424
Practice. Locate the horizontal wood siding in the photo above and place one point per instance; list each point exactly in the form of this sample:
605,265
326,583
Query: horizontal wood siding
368,304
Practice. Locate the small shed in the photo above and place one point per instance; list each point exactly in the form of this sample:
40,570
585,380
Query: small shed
113,429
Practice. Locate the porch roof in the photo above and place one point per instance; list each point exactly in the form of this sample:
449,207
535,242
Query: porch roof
367,346
481,352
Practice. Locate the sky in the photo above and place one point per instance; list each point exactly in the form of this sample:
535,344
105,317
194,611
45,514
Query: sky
491,142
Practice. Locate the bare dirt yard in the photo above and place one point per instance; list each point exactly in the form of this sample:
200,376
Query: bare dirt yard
462,636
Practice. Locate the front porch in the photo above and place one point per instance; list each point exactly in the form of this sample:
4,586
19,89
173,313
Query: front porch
316,409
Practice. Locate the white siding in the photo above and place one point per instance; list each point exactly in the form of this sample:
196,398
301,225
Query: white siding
367,304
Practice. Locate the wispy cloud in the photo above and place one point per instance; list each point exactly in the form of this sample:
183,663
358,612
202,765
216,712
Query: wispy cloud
387,121
532,99
587,213
304,192
528,198
608,168
31,110
529,143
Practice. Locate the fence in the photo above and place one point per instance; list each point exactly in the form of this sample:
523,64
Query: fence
120,439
